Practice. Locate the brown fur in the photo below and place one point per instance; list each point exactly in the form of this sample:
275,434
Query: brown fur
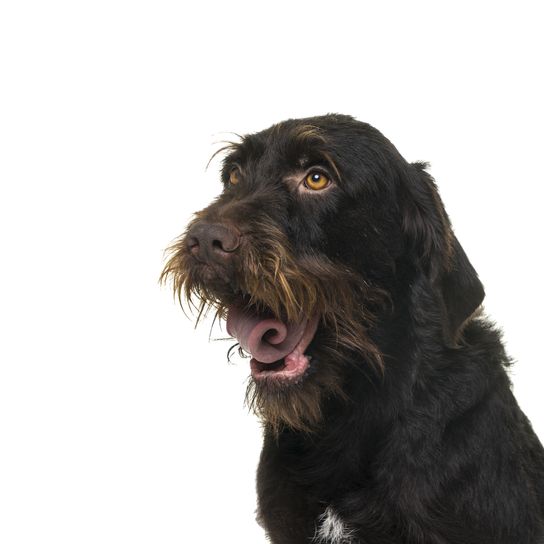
292,288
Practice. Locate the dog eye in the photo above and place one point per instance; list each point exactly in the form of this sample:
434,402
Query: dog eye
234,176
316,181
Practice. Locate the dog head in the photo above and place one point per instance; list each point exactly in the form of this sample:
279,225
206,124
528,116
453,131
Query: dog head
320,226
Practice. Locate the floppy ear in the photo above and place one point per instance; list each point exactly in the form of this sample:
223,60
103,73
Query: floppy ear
440,256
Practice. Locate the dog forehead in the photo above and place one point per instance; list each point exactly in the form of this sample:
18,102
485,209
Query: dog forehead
293,147
296,142
281,150
358,156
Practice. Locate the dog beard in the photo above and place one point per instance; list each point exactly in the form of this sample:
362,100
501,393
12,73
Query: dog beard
270,283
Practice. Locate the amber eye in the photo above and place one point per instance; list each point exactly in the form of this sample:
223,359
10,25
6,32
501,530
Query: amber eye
234,176
316,181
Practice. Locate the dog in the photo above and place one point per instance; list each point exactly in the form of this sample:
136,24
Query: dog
387,411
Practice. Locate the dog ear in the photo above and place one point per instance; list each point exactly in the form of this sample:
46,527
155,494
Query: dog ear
440,256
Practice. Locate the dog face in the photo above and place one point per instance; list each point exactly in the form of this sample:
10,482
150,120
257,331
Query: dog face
321,223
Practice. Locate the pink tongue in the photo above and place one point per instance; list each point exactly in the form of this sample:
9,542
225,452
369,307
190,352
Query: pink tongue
267,339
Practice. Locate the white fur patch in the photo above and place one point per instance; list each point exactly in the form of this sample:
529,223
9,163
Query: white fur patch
332,530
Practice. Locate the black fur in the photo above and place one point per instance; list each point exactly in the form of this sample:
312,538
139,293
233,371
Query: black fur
431,448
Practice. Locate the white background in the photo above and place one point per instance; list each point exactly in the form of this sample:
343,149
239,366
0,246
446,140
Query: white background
119,423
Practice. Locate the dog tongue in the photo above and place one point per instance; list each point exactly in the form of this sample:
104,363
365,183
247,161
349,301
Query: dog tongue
267,339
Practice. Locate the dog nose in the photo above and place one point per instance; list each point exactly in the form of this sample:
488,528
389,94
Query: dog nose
212,241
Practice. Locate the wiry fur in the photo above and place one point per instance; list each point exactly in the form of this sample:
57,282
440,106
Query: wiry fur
272,278
404,428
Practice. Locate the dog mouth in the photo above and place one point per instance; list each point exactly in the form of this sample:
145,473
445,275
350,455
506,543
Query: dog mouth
277,348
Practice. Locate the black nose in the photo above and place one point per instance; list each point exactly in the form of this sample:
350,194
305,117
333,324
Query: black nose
212,242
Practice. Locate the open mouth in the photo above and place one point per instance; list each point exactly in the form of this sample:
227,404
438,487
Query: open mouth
277,348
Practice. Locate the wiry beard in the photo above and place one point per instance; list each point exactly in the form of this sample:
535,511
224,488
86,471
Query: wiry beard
299,406
267,277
